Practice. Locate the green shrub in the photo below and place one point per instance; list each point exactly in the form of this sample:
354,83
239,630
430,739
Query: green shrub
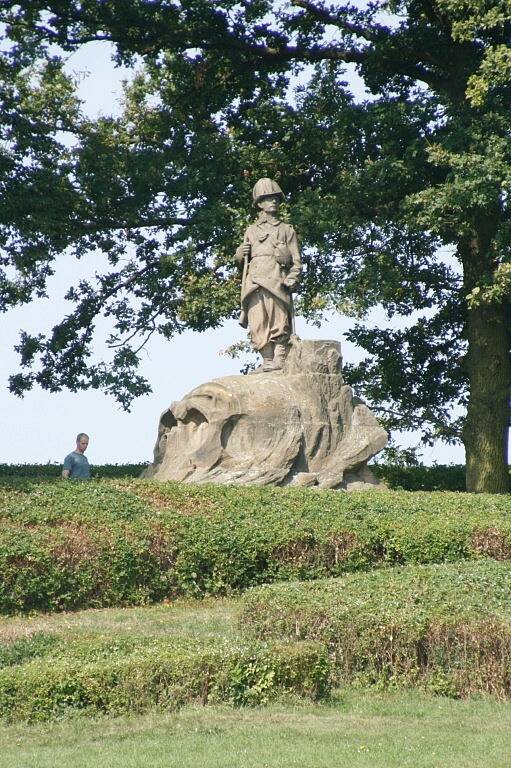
122,680
447,477
53,470
105,543
446,627
439,477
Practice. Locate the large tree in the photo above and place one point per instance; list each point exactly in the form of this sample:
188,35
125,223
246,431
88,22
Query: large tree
401,200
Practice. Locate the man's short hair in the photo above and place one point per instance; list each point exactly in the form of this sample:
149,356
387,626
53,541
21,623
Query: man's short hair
80,435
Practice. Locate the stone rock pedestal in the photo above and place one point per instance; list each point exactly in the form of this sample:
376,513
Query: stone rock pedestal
300,426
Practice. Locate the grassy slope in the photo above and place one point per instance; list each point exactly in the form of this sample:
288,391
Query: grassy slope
193,620
393,730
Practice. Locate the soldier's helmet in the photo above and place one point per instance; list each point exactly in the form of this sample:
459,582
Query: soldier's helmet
265,187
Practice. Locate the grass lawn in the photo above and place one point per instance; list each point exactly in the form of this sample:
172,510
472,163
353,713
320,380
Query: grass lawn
358,729
184,618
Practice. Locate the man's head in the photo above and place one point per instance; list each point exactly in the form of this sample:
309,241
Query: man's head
82,441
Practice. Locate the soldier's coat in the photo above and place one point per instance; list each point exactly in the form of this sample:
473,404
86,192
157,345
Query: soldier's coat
262,272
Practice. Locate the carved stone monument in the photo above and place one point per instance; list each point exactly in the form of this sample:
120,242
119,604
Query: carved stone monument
299,426
295,423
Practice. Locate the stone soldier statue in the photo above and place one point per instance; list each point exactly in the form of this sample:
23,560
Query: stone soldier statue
271,270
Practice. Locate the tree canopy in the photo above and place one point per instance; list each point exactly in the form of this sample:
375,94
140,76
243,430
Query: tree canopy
400,199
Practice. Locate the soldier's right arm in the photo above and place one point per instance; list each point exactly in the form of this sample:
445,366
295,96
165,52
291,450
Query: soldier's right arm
240,255
244,249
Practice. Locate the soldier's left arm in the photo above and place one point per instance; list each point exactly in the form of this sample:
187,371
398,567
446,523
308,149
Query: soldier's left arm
293,276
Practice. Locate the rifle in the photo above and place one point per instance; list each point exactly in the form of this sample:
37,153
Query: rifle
292,315
243,321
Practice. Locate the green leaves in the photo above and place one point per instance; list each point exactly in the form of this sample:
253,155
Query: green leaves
66,546
446,628
472,19
379,188
492,78
133,675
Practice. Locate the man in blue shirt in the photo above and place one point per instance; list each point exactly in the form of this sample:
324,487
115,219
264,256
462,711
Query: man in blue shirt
76,466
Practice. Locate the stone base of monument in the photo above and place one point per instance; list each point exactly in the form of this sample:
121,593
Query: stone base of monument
301,426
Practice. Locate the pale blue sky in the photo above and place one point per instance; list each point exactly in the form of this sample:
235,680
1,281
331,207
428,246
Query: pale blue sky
42,426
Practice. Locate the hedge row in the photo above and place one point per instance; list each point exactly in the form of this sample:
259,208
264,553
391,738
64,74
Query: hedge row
53,471
445,627
106,543
118,680
440,477
449,477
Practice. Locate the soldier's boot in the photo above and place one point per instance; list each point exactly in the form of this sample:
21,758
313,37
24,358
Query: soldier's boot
267,354
279,356
280,353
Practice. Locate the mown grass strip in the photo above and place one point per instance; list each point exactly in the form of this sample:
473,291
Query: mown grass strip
115,543
444,627
360,730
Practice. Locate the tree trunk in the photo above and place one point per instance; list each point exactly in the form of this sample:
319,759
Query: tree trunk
486,430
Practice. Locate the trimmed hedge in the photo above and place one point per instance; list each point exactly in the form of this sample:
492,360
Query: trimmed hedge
443,627
116,679
105,543
53,470
439,477
446,627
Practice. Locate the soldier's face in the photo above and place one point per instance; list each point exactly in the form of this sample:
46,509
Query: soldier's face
269,203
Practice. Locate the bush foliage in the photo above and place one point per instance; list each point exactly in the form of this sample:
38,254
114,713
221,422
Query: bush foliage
450,477
122,676
397,587
447,627
125,542
439,477
443,627
53,470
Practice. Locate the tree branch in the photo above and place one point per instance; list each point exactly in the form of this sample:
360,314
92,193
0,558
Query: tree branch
339,20
145,339
126,283
137,332
280,53
182,39
170,221
58,37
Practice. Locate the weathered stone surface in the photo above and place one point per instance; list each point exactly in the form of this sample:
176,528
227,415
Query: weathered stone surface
299,426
